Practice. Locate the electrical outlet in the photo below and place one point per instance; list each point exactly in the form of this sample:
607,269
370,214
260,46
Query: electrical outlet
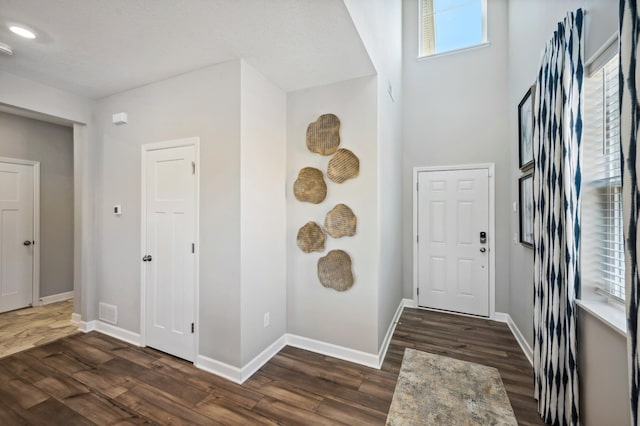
267,320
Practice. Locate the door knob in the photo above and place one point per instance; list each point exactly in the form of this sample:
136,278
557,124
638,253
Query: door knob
147,258
482,250
27,243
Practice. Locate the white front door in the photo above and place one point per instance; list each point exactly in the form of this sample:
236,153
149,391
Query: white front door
16,235
453,254
168,247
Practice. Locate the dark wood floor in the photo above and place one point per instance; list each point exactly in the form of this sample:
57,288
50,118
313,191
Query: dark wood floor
94,379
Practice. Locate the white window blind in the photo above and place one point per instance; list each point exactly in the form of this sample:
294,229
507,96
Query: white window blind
602,238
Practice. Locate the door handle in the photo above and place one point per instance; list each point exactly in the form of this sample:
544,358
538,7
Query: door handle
482,249
147,258
27,243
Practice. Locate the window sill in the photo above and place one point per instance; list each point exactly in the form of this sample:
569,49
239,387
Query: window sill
454,51
611,314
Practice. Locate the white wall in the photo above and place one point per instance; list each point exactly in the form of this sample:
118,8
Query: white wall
52,146
203,103
455,107
263,138
342,318
31,97
379,24
389,165
602,365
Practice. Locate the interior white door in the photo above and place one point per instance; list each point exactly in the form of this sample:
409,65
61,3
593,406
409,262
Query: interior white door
169,270
16,235
453,254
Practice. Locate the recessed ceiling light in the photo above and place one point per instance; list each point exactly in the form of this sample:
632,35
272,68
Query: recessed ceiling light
22,32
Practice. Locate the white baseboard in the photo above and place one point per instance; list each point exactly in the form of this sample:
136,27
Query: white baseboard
86,326
108,329
118,333
76,319
392,328
410,303
240,375
335,351
60,297
262,358
501,317
219,368
524,345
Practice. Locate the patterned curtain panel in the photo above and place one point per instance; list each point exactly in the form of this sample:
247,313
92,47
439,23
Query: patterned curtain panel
629,126
556,187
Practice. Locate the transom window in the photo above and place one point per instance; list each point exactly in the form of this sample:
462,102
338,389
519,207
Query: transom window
447,25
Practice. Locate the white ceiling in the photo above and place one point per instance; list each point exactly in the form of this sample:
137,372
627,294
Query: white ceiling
96,48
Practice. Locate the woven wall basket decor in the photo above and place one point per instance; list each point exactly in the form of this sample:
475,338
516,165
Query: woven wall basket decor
340,222
310,186
323,135
334,270
343,165
310,238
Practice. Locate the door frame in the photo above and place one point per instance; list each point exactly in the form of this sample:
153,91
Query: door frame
490,167
35,291
146,148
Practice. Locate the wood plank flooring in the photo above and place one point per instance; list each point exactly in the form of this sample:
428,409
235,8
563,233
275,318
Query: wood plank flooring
95,379
30,327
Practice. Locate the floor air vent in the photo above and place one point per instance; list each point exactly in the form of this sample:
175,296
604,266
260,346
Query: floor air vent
108,313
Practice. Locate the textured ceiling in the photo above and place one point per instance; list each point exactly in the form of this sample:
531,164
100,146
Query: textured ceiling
99,47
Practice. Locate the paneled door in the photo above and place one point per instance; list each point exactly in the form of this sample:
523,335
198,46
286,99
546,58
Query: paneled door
452,240
16,235
169,270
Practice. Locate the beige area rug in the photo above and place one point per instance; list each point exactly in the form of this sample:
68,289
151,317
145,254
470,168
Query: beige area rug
438,390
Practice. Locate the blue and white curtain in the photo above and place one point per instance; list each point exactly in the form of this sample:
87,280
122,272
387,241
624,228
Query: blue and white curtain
629,127
556,187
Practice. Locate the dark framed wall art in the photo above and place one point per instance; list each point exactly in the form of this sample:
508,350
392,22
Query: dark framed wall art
525,130
526,210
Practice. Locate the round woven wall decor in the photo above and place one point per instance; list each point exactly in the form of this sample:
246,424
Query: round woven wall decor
343,165
340,222
310,238
334,270
323,135
310,186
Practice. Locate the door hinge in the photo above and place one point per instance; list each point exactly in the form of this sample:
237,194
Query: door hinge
417,186
193,328
193,247
193,167
418,291
417,238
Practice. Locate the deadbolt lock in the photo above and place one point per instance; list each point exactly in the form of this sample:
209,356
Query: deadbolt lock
483,237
